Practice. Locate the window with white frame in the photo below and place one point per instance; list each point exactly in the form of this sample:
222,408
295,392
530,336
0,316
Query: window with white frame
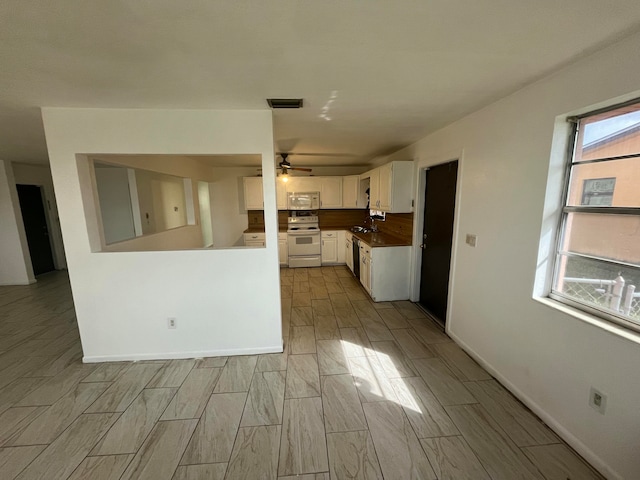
598,260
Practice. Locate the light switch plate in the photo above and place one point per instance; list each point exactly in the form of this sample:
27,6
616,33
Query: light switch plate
471,240
597,400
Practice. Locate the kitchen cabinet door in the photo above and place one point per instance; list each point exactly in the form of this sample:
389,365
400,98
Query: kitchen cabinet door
351,191
303,184
283,250
363,271
253,197
331,192
365,267
329,247
374,189
384,187
348,254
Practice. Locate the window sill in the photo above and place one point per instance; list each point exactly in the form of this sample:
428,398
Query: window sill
590,319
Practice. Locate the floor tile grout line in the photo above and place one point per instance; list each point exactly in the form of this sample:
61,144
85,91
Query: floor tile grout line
62,433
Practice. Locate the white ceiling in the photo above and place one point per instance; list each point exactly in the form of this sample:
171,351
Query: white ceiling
388,72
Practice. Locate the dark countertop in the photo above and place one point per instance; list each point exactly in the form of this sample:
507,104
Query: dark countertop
381,240
332,227
372,239
261,230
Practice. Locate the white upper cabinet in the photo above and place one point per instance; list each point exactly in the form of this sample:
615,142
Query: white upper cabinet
351,192
391,187
374,189
303,184
330,192
384,189
253,197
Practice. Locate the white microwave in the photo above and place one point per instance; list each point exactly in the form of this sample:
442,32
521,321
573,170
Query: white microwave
303,200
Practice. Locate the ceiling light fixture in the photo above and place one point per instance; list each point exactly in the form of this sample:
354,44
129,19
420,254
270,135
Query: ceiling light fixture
285,102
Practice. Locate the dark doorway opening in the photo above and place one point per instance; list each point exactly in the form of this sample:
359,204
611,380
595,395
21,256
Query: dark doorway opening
437,238
36,228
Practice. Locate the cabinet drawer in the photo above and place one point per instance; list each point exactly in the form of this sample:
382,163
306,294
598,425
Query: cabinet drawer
330,234
254,239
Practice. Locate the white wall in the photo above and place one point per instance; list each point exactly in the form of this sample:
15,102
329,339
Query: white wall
41,175
550,359
123,299
15,263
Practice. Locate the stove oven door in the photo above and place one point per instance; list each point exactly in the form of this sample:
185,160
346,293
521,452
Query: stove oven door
304,243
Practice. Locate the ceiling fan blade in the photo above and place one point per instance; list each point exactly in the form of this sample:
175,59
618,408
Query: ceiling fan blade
301,169
295,154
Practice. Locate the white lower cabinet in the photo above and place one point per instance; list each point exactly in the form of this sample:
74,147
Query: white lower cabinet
385,272
333,247
365,266
254,240
283,250
348,250
330,246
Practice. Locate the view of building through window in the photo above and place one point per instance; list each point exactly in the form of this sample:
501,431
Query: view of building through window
598,262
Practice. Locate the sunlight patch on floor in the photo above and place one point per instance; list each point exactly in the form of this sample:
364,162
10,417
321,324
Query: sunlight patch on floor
368,375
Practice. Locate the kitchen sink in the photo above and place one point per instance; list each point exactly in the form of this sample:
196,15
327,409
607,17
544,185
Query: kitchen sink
359,229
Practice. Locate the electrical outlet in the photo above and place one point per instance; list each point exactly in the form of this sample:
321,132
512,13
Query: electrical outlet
471,240
171,323
597,400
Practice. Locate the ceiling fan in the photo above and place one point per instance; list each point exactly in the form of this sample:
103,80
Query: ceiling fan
286,166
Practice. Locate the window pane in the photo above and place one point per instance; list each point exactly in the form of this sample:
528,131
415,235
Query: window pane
612,134
615,237
600,284
615,183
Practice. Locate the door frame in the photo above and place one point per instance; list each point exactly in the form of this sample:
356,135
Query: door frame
422,165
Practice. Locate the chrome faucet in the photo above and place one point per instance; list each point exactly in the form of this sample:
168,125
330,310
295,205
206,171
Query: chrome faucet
374,227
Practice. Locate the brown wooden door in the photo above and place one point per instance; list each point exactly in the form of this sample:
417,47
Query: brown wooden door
437,238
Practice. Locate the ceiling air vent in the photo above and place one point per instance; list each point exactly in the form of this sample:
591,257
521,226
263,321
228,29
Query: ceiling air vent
285,102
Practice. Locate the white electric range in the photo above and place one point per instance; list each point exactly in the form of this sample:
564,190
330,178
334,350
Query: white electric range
304,239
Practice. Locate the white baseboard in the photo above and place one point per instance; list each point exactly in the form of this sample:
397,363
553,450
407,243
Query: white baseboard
551,422
16,284
135,357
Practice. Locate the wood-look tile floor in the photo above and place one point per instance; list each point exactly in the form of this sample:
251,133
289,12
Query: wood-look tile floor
362,391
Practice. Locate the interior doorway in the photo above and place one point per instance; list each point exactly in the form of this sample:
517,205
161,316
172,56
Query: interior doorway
437,238
36,228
